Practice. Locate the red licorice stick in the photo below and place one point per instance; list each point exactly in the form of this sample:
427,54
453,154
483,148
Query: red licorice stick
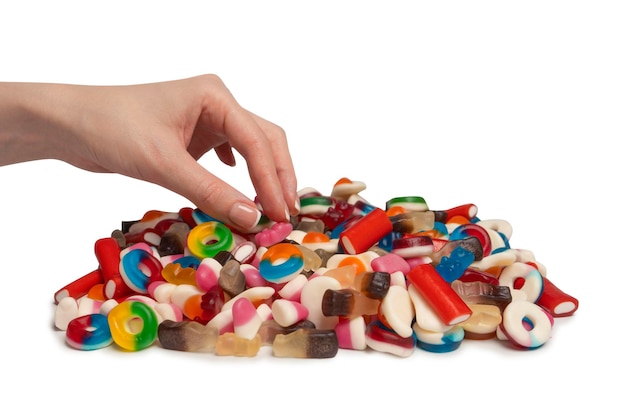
444,301
555,301
79,287
107,252
365,232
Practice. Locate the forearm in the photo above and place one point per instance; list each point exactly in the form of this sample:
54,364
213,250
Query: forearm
33,121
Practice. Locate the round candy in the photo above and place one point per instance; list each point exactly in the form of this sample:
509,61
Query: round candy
133,325
88,332
281,263
208,239
470,229
526,324
524,277
132,266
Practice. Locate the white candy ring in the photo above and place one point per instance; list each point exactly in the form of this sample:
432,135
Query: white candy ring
526,324
525,277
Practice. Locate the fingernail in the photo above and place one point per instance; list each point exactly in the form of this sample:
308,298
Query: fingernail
297,205
287,215
244,216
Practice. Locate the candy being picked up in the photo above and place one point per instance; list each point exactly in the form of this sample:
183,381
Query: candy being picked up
395,277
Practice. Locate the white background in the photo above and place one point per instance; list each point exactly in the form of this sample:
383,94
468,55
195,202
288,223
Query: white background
517,107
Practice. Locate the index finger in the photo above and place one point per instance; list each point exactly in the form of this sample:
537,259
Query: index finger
283,162
263,157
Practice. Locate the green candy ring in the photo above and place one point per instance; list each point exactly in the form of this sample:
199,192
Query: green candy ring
208,239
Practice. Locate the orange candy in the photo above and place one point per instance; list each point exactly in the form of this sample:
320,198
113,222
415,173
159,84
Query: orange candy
315,237
176,274
395,210
97,292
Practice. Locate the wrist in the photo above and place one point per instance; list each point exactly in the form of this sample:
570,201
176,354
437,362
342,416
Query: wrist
33,121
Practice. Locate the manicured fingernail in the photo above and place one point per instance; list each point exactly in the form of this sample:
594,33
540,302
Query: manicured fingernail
244,216
297,204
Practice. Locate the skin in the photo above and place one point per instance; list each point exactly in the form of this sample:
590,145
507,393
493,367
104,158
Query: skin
154,132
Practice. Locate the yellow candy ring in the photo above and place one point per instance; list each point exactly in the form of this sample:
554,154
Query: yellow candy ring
281,263
133,325
209,238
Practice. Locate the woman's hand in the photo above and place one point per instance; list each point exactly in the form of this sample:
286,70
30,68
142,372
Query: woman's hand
154,132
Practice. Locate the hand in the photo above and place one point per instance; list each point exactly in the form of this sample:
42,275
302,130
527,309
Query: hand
157,132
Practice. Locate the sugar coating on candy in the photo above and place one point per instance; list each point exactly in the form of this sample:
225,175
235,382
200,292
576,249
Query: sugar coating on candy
345,273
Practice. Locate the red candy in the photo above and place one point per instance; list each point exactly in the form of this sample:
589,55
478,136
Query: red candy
448,305
366,232
81,286
555,301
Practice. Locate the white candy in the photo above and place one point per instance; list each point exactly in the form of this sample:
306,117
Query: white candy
398,310
66,310
287,313
311,297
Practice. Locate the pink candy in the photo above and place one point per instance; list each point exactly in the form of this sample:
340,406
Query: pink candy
273,235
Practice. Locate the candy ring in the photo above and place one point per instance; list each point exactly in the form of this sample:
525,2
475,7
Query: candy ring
133,325
132,266
525,277
208,239
526,324
281,263
471,229
88,332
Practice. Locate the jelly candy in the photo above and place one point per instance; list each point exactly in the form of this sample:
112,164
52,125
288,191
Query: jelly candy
188,336
306,343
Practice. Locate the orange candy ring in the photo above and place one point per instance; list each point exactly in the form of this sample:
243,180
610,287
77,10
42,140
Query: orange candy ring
281,263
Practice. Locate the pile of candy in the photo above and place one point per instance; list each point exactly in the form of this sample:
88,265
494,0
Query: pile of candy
344,273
